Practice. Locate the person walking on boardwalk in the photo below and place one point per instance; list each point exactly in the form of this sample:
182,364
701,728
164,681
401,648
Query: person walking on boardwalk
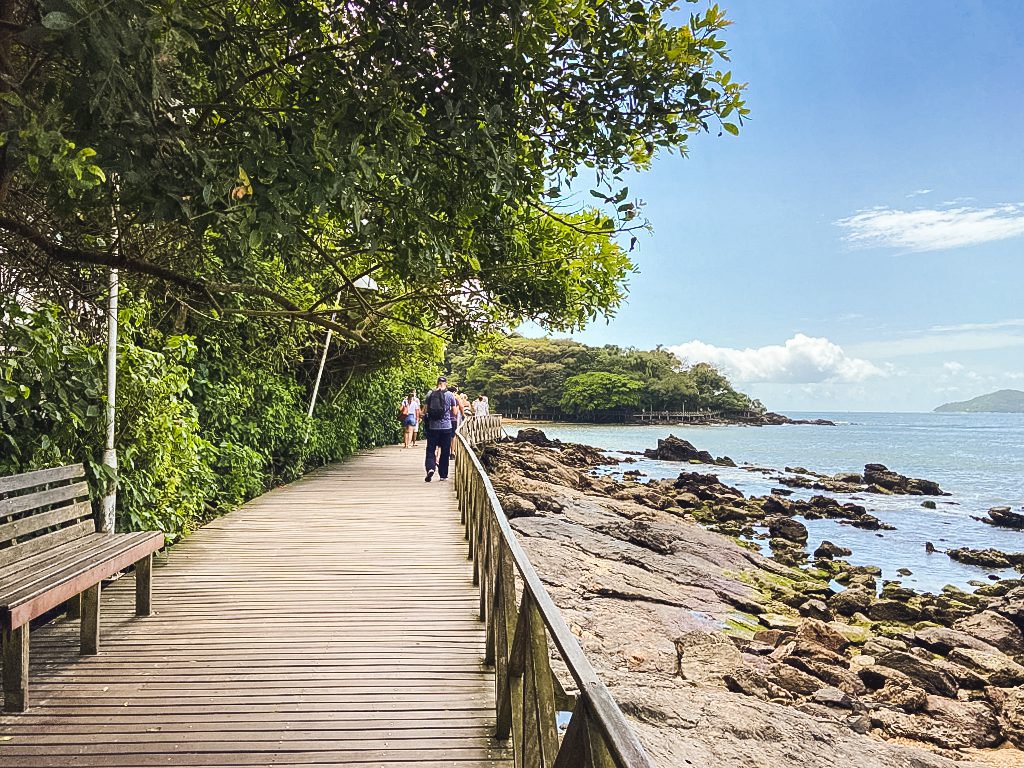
458,417
481,407
410,410
441,408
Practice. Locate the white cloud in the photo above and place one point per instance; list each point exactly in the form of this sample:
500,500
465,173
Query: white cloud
801,360
938,343
1014,323
953,366
929,229
919,192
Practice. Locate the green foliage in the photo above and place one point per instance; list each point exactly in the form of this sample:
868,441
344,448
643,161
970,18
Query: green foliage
51,392
202,426
587,393
562,377
267,155
400,173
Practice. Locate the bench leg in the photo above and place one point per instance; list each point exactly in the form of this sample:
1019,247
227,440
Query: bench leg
90,627
144,586
15,649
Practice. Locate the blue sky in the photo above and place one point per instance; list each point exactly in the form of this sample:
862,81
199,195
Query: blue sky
859,246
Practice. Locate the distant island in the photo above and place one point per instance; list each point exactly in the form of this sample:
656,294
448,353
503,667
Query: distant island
1003,401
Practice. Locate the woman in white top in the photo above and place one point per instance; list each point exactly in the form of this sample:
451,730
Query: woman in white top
410,418
481,406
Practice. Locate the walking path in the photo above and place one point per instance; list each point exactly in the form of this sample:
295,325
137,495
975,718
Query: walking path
330,622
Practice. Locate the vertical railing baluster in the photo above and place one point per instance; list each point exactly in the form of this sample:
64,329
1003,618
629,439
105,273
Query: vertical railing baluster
502,689
493,591
484,549
547,724
533,755
600,757
574,751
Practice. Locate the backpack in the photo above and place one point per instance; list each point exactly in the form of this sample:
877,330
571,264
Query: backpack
435,405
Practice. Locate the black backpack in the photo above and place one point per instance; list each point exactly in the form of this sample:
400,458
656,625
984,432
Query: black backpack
435,405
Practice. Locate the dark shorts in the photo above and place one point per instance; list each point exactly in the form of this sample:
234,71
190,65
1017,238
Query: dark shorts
409,421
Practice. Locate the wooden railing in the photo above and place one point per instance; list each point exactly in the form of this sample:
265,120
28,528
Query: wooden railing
481,429
529,696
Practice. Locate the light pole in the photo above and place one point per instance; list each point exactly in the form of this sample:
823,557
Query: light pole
320,372
108,503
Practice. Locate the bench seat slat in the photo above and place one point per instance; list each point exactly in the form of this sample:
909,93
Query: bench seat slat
41,477
92,547
33,602
14,571
37,522
98,547
46,541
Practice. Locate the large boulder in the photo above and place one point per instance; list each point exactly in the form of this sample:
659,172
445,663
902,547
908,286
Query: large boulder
536,437
993,629
830,673
851,601
820,633
945,723
1012,606
828,551
998,668
1010,706
942,640
923,672
986,558
796,681
830,696
901,694
673,448
706,656
815,609
893,610
752,683
881,478
787,528
1005,518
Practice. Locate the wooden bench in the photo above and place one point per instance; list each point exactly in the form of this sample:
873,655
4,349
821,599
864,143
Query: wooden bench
50,553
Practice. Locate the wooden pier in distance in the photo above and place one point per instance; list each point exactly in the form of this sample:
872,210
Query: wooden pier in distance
333,621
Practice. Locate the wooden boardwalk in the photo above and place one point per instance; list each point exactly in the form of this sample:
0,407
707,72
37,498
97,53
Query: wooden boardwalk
329,622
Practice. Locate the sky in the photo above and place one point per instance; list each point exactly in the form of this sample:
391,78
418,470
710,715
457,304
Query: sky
860,245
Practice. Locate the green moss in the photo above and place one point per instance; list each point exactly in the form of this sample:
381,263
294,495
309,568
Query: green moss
740,624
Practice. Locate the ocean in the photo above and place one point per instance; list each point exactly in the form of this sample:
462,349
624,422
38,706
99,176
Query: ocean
978,458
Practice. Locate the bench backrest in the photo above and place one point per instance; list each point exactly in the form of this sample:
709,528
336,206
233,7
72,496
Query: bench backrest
43,509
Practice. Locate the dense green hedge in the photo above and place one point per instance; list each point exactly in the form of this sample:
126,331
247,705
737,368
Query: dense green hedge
204,421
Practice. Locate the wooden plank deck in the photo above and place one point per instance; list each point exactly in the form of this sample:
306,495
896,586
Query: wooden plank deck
329,622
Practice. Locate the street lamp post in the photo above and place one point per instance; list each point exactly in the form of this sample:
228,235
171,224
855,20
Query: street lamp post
108,503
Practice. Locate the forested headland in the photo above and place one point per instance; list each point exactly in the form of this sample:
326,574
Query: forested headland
563,379
401,174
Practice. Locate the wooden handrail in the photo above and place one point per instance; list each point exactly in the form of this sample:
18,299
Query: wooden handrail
527,691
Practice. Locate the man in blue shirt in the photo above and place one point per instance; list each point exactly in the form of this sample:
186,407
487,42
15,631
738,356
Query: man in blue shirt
441,408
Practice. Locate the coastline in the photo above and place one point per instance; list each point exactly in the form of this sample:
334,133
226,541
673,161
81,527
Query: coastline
682,618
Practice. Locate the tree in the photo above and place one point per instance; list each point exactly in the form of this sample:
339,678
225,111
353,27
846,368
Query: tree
398,172
600,392
270,156
523,374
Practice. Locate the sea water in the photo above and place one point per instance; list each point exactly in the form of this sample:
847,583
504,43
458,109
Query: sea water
977,458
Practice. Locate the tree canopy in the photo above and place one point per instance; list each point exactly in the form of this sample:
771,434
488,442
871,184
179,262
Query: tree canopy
561,377
402,173
261,157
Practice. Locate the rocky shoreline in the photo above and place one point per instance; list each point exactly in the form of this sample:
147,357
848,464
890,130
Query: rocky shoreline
723,656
